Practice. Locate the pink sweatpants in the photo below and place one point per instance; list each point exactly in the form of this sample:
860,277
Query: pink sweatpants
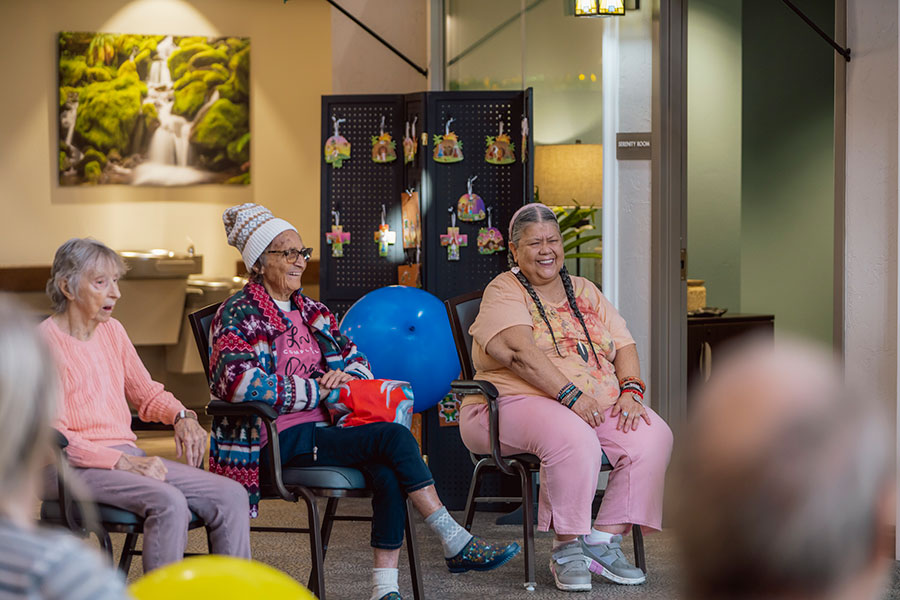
570,452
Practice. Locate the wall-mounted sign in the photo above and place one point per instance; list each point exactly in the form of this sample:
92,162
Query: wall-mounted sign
633,146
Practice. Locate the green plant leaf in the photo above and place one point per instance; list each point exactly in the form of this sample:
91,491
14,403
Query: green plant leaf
581,240
596,255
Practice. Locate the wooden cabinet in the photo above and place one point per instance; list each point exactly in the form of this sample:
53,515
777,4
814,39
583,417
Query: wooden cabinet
709,336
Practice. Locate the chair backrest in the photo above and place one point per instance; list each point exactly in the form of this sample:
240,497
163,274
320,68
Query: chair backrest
462,311
201,322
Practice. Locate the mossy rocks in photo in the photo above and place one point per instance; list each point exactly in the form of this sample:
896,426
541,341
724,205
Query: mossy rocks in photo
189,99
222,124
108,111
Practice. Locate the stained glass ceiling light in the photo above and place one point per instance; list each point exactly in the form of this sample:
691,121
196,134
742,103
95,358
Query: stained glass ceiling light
599,8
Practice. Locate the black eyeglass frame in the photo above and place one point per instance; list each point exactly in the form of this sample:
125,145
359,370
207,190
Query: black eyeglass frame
291,255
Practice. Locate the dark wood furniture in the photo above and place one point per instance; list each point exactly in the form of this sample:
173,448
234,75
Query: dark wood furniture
708,337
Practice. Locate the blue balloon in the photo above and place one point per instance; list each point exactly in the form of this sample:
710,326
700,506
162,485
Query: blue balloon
405,333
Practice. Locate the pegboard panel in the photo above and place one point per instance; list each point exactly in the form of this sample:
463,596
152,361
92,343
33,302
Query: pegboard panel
502,187
357,190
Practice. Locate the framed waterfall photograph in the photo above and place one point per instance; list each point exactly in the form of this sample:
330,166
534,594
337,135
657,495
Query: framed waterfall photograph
153,110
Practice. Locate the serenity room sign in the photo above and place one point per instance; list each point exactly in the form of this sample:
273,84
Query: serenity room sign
153,109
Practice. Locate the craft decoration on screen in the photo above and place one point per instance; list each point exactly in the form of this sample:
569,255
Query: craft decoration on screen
447,147
337,237
410,145
337,148
383,147
500,150
490,239
453,239
470,206
412,223
524,139
384,236
448,415
153,110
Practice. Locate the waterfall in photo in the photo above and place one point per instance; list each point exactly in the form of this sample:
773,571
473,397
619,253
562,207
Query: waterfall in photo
169,151
67,121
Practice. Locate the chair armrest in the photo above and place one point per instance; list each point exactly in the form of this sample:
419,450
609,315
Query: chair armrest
474,386
220,408
489,391
59,439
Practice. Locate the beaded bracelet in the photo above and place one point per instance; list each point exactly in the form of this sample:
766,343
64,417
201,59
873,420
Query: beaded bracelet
637,396
632,380
564,391
568,395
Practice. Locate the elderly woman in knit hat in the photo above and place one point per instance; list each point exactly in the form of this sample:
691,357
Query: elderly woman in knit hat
568,375
271,343
101,374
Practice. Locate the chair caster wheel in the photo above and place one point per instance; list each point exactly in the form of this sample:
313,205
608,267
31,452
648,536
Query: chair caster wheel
529,586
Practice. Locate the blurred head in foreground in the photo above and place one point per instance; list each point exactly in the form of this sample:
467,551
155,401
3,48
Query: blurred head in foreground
784,482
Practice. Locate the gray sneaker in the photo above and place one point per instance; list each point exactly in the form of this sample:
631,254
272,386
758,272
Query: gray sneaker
608,561
569,566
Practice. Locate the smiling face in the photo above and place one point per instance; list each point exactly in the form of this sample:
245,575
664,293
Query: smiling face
539,252
280,277
96,293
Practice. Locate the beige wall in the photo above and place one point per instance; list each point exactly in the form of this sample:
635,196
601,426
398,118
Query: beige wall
361,64
291,69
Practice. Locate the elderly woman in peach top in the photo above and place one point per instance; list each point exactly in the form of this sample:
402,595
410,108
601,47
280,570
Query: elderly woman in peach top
101,374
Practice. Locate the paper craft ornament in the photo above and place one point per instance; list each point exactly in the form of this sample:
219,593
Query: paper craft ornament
447,147
500,151
337,237
383,147
453,240
490,239
384,236
412,224
524,139
470,206
410,145
337,148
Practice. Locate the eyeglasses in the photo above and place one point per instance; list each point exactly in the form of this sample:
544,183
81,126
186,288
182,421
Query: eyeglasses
293,254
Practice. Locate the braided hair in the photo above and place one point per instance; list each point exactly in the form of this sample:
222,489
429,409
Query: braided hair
539,213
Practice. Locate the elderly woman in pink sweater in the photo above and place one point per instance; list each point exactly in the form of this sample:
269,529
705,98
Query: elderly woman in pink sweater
101,374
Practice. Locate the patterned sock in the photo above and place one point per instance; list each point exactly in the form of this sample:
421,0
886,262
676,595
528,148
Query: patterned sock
597,537
384,581
453,536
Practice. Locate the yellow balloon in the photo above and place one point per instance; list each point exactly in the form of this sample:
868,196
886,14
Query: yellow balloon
216,576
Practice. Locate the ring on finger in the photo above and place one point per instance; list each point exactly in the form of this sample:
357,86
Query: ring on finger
595,413
625,413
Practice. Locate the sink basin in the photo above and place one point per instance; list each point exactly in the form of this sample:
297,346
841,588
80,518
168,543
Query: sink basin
160,264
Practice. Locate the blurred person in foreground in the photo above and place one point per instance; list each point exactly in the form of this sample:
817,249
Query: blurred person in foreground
785,481
36,563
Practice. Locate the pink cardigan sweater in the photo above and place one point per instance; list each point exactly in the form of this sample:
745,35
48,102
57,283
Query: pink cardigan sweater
97,377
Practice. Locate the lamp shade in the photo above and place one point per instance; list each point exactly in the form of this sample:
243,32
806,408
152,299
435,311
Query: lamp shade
568,173
599,8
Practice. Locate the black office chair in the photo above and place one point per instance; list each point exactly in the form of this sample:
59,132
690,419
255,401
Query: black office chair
462,311
307,483
66,512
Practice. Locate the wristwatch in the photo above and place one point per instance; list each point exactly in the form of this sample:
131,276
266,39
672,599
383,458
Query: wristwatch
184,414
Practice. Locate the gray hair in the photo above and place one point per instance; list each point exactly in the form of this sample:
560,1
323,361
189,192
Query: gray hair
28,400
799,513
534,213
73,259
255,274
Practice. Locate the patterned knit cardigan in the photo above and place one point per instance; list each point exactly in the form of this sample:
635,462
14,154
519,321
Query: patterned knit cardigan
242,369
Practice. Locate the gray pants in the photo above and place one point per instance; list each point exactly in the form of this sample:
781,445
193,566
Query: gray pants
222,503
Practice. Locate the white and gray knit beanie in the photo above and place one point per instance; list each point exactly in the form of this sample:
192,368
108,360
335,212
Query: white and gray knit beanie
251,228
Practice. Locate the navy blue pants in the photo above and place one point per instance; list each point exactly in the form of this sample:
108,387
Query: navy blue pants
386,453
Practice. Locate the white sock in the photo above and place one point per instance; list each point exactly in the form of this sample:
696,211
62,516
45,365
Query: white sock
384,581
453,536
598,537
